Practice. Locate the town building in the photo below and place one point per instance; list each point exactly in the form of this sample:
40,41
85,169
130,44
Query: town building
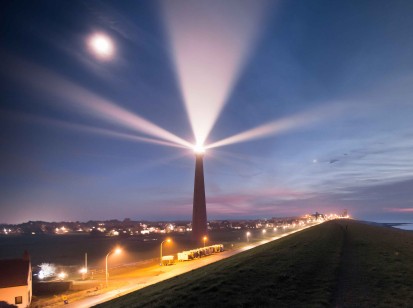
16,281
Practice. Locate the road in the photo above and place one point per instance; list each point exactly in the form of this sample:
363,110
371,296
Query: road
167,272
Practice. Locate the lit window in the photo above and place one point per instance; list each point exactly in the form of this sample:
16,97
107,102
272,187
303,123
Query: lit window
18,300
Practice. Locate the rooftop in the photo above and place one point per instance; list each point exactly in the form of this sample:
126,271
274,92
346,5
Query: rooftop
14,272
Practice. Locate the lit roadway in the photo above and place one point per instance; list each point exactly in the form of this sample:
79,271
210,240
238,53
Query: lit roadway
168,272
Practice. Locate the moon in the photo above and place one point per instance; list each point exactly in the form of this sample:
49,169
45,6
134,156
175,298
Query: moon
101,45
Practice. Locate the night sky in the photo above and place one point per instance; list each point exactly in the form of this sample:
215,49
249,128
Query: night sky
328,85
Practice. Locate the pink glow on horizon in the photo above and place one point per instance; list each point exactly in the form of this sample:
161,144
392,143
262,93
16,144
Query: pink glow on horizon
238,204
210,41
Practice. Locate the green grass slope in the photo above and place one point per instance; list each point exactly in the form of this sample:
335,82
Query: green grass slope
336,264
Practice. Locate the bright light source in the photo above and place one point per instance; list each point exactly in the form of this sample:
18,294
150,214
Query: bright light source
118,251
248,233
101,45
264,231
205,239
168,240
46,270
62,275
199,149
83,270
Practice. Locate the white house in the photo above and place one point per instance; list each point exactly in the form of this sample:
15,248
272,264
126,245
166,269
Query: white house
16,281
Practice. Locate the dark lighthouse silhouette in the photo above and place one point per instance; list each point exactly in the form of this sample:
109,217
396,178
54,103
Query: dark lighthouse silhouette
199,216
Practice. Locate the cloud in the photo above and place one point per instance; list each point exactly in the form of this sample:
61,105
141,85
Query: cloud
400,210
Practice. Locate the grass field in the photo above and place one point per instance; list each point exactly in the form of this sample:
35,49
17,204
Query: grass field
336,264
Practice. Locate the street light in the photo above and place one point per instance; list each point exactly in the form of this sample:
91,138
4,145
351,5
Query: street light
264,231
115,251
168,240
248,236
204,238
83,271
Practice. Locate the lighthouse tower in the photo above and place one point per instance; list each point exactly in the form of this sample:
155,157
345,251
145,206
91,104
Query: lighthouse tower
199,216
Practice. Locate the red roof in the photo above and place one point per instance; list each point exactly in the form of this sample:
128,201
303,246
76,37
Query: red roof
14,272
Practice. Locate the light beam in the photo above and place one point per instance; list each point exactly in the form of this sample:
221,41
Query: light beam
279,126
211,40
90,129
67,94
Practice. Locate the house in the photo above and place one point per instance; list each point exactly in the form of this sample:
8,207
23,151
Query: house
16,281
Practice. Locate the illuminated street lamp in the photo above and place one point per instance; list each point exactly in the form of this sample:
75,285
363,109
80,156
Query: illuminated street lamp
160,259
204,238
83,271
248,236
264,231
115,251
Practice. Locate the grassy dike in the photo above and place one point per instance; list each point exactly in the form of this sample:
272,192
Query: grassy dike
336,264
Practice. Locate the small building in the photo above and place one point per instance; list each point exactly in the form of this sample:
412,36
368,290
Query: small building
16,281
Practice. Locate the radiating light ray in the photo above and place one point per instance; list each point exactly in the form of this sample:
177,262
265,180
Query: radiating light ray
64,91
90,129
130,137
211,40
279,126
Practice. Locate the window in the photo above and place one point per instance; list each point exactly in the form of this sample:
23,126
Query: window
18,300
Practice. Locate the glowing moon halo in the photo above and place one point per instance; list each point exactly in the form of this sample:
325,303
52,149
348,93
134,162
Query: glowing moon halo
101,45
